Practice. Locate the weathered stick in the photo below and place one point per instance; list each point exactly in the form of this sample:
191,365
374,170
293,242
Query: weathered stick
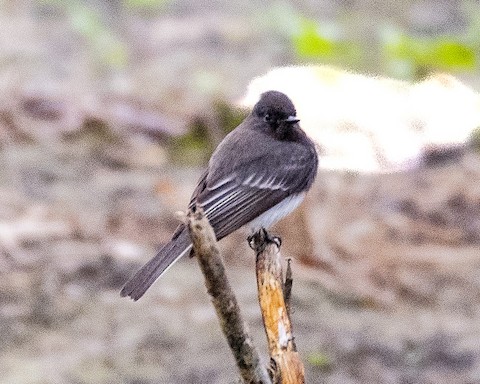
235,329
287,287
288,368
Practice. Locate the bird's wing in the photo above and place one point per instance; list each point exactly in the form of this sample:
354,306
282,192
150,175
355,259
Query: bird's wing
201,185
248,191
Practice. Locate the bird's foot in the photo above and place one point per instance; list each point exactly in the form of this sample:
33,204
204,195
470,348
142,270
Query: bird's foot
260,239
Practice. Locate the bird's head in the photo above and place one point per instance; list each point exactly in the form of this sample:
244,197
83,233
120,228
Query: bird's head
277,111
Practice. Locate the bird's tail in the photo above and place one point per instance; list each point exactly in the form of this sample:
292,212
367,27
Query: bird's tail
146,276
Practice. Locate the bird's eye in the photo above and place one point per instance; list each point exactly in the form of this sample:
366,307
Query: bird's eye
268,118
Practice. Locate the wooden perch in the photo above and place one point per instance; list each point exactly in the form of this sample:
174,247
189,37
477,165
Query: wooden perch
287,367
224,300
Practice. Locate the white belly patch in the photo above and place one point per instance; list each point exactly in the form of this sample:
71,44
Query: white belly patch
274,214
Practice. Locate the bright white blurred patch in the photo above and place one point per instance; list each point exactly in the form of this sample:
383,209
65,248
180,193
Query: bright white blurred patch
283,337
123,249
373,124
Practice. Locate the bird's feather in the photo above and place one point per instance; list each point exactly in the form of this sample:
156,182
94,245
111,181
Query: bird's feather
164,259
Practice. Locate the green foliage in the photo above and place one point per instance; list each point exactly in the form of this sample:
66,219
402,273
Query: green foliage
86,21
198,144
443,53
193,148
452,54
229,117
414,56
309,43
145,4
320,360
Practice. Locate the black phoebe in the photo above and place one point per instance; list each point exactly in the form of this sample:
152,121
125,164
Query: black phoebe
258,174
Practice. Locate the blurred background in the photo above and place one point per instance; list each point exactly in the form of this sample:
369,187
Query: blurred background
108,112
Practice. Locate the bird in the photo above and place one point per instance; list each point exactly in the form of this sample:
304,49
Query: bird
258,174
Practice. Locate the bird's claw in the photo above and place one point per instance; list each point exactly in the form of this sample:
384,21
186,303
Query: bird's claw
260,239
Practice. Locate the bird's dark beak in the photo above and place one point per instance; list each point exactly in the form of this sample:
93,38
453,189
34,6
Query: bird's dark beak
291,120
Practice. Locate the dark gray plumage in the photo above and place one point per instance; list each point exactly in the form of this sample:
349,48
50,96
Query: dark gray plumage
257,175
